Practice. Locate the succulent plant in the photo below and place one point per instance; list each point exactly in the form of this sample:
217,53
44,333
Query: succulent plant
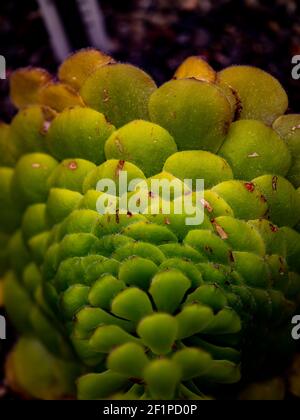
248,147
288,127
245,199
141,304
135,85
145,144
179,105
29,127
65,134
199,165
261,96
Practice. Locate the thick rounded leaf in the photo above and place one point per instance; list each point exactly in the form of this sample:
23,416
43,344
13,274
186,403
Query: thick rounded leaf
10,215
76,245
79,221
162,378
129,359
245,199
193,362
34,372
90,199
253,269
88,319
112,169
210,244
79,132
141,249
59,96
29,182
182,251
282,199
120,91
104,291
226,321
240,235
196,67
70,174
132,304
107,337
29,128
137,271
34,220
210,295
110,224
215,206
78,66
197,114
262,96
97,386
38,245
145,144
186,267
279,272
218,352
198,165
220,275
149,232
158,332
193,319
288,127
253,149
25,85
168,289
272,236
292,242
17,302
74,299
60,203
8,151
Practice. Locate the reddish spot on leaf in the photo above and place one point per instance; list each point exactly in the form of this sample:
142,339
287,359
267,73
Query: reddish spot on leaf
45,127
73,166
120,167
250,186
206,205
274,228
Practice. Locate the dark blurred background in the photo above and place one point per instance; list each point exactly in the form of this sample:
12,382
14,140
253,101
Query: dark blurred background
158,34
